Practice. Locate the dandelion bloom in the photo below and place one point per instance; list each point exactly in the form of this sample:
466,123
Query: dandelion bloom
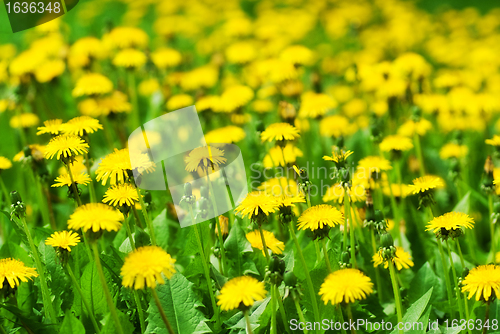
315,104
81,125
290,200
204,157
336,126
146,266
5,163
450,221
272,243
318,216
228,134
257,202
130,58
26,120
279,131
114,167
481,280
345,285
179,101
335,193
121,194
126,37
235,96
452,150
425,183
66,146
95,217
495,141
64,239
241,291
92,84
338,156
374,164
276,155
12,271
297,54
409,128
52,126
396,143
402,259
166,57
65,179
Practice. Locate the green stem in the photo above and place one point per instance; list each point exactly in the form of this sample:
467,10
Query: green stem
318,251
73,185
467,314
306,272
418,150
395,210
136,121
221,242
2,330
146,218
327,260
347,212
359,224
264,245
342,321
91,185
42,204
129,232
462,261
107,294
48,307
162,312
274,330
377,270
446,277
492,225
395,288
5,192
281,308
205,268
486,317
83,298
247,319
140,311
455,279
351,319
300,313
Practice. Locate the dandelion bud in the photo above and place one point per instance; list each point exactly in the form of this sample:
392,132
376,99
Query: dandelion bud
290,279
188,189
386,240
17,208
15,198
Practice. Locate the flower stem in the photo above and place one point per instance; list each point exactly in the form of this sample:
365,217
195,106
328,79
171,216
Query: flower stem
300,313
140,311
5,192
84,300
446,277
486,317
162,312
109,299
48,307
341,316
247,319
264,245
129,232
308,277
327,260
397,297
136,121
347,212
418,150
205,267
73,185
146,217
349,315
377,270
492,226
455,279
318,252
274,330
91,185
460,253
281,308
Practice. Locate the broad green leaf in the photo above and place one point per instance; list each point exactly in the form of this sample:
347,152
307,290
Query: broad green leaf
110,327
71,325
416,309
92,289
464,204
422,282
236,245
238,323
180,304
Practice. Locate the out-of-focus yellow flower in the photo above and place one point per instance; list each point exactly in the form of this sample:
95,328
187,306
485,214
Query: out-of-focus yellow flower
315,104
166,58
272,243
396,143
275,156
49,70
297,54
201,77
336,126
130,58
25,120
228,134
126,37
179,101
241,292
452,150
279,132
409,128
148,87
262,106
241,52
92,84
235,97
5,163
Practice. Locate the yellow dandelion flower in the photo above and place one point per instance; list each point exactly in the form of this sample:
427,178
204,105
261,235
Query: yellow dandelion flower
402,259
279,131
318,216
275,156
5,163
234,97
241,291
179,101
130,58
345,285
26,120
50,69
37,152
148,87
278,186
228,134
66,146
255,203
126,37
402,190
65,179
338,156
272,243
481,281
52,127
374,164
201,77
95,217
92,84
450,221
297,54
166,58
114,167
204,157
147,266
241,52
209,102
495,141
224,225
12,271
116,103
315,104
81,125
409,128
452,150
121,194
335,193
336,126
396,143
425,183
64,240
290,200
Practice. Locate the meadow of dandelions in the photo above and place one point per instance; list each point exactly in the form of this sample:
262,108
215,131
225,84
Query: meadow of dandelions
370,135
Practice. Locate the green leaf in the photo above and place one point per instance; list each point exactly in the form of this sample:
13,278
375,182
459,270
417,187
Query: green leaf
417,309
180,304
92,289
236,245
110,327
422,282
259,317
464,204
71,325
